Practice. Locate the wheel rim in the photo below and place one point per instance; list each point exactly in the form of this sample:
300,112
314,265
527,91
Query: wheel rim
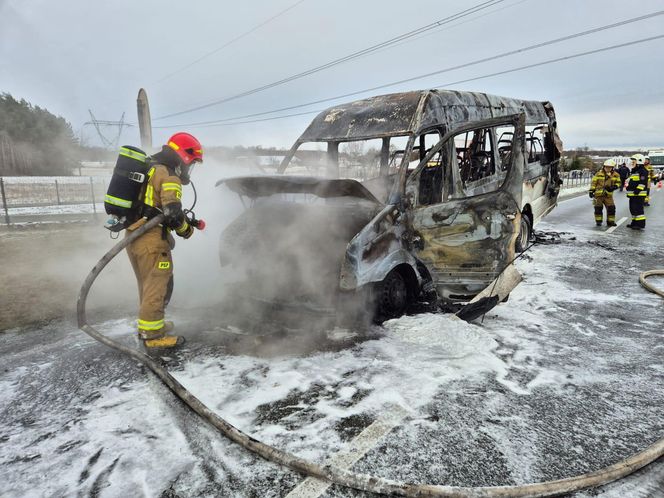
523,234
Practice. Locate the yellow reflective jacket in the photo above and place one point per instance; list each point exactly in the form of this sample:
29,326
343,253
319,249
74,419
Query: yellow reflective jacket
604,184
651,172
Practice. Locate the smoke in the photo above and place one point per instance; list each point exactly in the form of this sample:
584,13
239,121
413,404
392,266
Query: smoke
266,266
44,266
283,256
198,279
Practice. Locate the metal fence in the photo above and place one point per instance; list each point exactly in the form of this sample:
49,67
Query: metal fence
34,199
573,179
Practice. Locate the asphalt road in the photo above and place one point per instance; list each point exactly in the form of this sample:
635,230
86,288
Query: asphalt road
564,378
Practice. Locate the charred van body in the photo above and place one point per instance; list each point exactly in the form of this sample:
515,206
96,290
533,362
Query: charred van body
417,195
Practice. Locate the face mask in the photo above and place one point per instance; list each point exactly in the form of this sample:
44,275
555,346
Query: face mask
184,173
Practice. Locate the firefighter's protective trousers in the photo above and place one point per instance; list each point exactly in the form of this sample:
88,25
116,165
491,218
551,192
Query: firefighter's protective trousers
150,255
599,202
637,210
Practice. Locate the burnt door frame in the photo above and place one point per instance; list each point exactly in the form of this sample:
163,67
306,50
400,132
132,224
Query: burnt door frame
466,242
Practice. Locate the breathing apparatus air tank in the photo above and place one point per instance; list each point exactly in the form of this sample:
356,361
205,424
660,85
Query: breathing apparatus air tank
122,195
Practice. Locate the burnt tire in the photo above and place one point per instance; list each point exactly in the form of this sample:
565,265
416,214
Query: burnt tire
525,233
391,297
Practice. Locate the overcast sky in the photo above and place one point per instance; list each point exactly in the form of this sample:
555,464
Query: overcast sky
74,55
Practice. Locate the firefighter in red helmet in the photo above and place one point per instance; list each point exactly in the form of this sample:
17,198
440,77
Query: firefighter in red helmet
150,255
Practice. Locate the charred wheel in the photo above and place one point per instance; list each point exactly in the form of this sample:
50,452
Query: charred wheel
391,296
525,232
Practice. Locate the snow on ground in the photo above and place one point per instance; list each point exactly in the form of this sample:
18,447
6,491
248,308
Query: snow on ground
560,380
56,209
123,432
330,387
50,180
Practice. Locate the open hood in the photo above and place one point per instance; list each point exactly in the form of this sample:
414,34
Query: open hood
263,186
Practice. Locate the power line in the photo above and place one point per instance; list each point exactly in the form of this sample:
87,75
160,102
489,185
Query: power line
354,55
558,59
230,42
435,31
245,122
499,73
440,71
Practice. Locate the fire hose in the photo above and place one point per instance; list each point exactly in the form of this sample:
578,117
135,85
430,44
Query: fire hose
337,475
642,280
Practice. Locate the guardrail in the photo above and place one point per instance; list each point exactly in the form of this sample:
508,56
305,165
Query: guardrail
29,199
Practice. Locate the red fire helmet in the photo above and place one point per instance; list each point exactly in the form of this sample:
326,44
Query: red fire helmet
187,147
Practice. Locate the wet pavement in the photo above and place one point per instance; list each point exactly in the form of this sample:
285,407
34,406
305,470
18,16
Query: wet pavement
564,378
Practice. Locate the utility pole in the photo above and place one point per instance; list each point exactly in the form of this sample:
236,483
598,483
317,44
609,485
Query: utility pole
144,120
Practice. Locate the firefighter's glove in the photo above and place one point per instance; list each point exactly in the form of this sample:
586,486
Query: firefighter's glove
591,194
173,215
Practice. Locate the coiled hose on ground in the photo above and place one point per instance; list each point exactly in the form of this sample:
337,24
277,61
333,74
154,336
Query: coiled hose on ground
336,475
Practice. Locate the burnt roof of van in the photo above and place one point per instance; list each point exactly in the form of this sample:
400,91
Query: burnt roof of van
409,112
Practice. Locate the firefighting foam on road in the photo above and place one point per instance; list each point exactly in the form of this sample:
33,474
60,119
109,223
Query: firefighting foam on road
421,292
503,389
154,339
525,396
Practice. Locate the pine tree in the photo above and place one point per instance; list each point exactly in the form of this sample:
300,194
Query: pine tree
33,141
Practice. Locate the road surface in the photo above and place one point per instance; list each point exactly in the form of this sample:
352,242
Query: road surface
565,378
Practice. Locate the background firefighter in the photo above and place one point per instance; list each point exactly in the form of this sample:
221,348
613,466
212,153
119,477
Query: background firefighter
651,178
150,255
636,191
605,181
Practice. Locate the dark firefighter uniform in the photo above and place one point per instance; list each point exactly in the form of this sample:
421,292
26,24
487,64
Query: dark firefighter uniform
636,192
150,255
601,191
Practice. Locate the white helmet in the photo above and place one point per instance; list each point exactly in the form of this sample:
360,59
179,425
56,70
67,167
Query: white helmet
638,158
610,163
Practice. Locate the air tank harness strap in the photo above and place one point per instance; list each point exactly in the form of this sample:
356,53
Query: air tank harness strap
134,176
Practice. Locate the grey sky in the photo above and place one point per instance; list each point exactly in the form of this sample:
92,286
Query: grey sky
73,55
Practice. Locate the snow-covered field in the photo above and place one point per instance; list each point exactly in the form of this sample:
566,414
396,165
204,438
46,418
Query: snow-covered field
55,209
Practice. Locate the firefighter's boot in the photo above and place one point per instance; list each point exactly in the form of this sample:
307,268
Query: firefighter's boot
159,339
164,342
